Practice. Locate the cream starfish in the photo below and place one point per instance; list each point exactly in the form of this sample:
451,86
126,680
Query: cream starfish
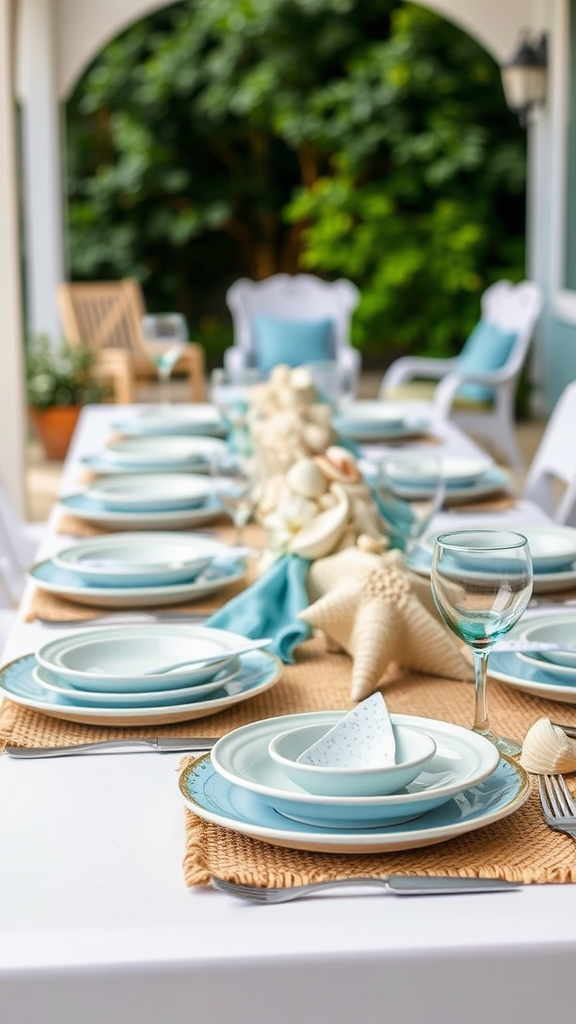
370,606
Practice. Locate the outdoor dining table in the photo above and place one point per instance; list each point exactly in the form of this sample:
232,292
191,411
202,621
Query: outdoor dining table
98,927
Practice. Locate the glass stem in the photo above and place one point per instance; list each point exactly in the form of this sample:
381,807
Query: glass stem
481,724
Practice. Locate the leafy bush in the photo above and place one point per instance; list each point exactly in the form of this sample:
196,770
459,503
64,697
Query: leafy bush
61,375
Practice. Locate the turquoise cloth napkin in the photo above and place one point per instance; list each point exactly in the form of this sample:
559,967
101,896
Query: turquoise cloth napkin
270,606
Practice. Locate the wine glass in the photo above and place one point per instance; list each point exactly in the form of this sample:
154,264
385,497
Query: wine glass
230,393
166,337
481,583
236,484
408,493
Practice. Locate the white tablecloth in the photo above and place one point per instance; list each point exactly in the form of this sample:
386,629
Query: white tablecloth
97,927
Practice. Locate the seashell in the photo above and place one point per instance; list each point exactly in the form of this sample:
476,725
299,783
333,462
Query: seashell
339,465
301,380
305,478
547,749
280,375
316,437
376,545
327,500
320,414
320,536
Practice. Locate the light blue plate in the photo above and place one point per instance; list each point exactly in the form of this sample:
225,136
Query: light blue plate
214,577
104,467
91,511
174,422
542,682
215,799
259,671
380,431
494,479
58,687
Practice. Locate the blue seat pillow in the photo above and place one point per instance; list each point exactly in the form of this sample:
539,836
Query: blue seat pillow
487,348
293,342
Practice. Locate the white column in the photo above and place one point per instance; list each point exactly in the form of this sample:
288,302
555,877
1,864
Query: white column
12,406
41,158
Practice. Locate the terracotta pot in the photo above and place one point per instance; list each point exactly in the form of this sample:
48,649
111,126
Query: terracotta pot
54,428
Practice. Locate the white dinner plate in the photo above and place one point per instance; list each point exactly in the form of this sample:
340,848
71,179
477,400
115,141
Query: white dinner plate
457,471
150,493
373,415
207,447
153,451
491,481
552,628
215,799
198,418
462,759
145,699
138,559
123,658
259,671
363,432
91,512
420,560
217,575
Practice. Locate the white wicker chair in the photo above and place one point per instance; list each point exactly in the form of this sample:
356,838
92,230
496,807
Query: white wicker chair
298,297
510,308
551,479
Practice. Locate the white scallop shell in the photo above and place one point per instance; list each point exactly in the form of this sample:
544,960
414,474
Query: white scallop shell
547,749
306,478
323,533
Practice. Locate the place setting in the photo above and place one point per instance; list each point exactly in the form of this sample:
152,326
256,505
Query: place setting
152,453
145,501
137,676
376,421
197,419
139,570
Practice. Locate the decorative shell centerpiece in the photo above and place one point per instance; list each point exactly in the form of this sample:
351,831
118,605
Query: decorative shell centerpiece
321,505
286,420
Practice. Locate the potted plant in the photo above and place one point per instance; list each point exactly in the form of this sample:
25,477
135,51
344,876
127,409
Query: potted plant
59,381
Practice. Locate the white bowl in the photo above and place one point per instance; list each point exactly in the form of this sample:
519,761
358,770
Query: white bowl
148,491
553,631
413,750
140,559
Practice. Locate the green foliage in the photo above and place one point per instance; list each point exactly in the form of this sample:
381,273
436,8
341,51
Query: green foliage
61,375
359,138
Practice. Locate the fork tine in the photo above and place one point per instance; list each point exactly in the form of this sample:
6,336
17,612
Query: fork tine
566,795
544,800
553,796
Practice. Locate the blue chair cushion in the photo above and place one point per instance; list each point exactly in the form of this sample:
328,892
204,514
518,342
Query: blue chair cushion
293,342
486,348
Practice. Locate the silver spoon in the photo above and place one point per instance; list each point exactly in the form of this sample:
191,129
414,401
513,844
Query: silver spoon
209,660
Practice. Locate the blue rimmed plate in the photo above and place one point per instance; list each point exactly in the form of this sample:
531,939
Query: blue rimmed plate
51,682
212,797
221,572
145,492
92,512
139,559
199,418
462,759
259,671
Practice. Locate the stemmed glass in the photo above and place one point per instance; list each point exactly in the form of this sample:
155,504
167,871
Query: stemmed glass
481,583
236,484
408,494
166,337
230,393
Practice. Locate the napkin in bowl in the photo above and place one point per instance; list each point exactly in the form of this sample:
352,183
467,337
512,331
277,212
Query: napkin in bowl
270,607
371,606
364,738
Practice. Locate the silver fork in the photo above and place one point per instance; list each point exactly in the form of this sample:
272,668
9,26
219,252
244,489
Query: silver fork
397,885
558,806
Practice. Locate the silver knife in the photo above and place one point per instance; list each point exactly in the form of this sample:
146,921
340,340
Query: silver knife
161,744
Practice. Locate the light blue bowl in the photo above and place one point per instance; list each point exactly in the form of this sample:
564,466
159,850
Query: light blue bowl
414,749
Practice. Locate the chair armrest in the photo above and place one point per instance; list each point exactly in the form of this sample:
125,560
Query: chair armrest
115,365
408,367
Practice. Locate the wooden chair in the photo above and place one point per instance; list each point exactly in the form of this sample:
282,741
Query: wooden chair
107,316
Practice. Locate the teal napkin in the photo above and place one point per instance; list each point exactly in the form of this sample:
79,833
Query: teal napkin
270,606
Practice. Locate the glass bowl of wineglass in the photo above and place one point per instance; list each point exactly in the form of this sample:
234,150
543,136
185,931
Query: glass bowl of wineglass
481,583
408,493
166,336
235,479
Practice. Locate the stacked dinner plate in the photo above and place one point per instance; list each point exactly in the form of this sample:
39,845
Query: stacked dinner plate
550,674
466,478
377,421
155,454
553,550
199,418
242,785
145,501
139,675
139,570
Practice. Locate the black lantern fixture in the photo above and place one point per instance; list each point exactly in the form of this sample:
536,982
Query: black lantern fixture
524,76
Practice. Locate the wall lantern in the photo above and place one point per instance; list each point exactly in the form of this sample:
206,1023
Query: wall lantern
524,76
